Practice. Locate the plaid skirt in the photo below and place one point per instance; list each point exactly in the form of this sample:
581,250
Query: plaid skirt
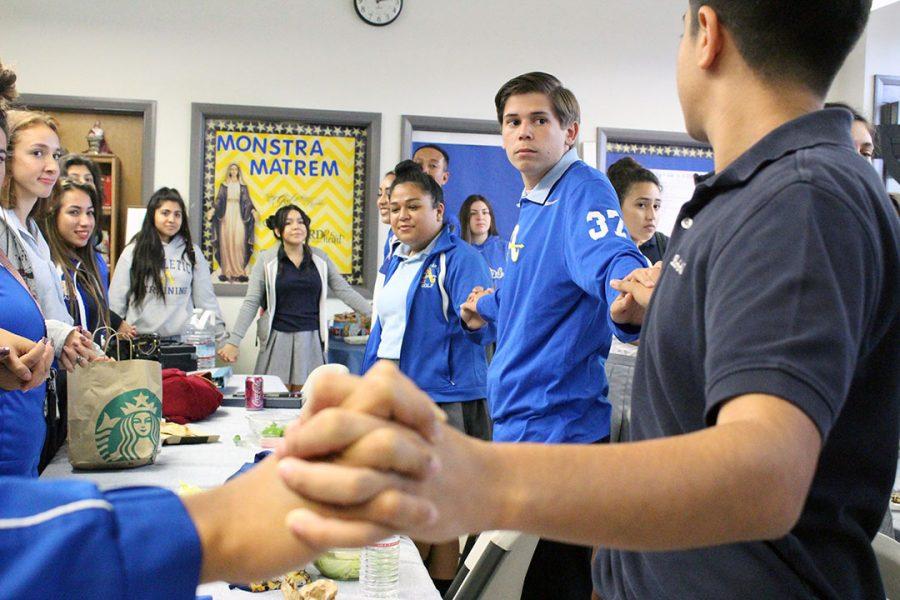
291,356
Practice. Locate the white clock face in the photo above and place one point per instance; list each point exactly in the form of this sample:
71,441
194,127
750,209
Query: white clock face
378,12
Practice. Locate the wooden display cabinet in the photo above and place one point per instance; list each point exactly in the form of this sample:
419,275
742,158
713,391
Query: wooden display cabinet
112,221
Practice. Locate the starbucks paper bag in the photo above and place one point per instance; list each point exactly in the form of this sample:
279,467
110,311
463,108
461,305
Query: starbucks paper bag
115,409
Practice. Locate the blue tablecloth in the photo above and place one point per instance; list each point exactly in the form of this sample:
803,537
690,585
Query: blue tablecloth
351,355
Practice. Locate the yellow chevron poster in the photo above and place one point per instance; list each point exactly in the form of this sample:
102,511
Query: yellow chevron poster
251,169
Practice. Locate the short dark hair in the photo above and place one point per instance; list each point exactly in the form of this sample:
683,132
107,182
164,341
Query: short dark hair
565,104
439,149
803,41
626,172
409,172
464,217
857,116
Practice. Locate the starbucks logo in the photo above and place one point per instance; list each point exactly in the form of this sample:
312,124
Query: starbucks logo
128,426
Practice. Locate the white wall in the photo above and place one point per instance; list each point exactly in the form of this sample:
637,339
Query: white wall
882,48
439,58
878,53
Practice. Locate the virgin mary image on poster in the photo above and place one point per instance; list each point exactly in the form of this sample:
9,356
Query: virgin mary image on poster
233,222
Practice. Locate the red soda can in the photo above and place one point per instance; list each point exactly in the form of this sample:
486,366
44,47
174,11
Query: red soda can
253,393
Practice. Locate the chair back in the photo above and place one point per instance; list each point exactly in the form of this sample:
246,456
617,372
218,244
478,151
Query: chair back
887,553
495,568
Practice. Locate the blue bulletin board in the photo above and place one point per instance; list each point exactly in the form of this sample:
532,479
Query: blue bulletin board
675,158
478,163
485,170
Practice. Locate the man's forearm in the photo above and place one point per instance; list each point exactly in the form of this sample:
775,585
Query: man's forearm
717,486
241,527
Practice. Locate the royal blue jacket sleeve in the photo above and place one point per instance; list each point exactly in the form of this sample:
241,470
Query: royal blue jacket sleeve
466,271
489,306
66,539
598,248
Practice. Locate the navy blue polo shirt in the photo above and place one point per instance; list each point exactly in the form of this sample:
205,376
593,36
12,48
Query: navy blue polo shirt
651,248
781,278
297,292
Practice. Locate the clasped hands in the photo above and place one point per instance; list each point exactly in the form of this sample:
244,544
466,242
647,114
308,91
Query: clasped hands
372,456
635,291
468,310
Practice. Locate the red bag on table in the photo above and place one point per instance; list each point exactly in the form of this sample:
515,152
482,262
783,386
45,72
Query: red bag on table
188,398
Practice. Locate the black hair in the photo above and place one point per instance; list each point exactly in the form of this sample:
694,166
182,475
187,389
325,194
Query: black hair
800,41
464,217
149,256
7,94
857,116
79,159
277,221
626,172
565,105
409,172
439,149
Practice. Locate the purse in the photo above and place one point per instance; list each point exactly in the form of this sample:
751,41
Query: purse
144,346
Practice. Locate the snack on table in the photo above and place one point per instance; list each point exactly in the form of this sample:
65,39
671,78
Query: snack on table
895,497
321,589
295,578
272,430
339,563
265,429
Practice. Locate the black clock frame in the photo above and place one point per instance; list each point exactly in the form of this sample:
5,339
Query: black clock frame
368,22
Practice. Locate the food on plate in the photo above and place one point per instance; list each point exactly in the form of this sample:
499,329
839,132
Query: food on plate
296,578
895,497
170,428
273,429
321,589
340,563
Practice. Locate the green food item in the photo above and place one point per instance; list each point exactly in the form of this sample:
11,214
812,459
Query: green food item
273,430
236,439
339,564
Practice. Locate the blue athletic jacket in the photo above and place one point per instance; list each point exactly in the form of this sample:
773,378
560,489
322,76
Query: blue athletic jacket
22,426
66,539
443,359
547,381
494,252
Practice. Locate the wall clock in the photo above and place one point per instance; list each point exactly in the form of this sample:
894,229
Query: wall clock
378,12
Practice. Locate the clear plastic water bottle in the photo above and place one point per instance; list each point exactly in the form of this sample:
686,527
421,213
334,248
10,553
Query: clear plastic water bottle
201,334
379,572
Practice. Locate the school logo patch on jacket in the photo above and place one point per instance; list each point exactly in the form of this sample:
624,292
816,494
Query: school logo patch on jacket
429,277
514,246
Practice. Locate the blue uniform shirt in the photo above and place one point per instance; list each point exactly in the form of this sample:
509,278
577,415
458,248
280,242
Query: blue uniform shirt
546,382
782,277
393,297
494,252
22,426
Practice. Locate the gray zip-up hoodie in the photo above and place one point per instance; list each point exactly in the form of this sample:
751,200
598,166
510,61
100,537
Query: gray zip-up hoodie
185,289
47,290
